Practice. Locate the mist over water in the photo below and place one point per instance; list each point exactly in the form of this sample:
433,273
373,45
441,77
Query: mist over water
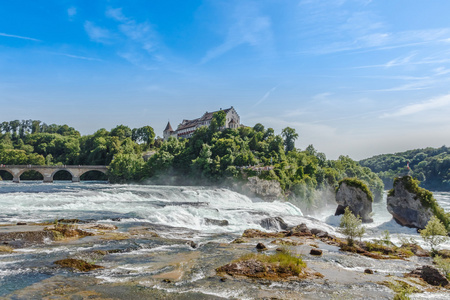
194,208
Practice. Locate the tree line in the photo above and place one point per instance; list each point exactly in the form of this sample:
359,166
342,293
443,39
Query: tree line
213,155
431,166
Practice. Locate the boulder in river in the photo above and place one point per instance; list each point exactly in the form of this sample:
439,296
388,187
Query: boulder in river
430,275
355,195
411,205
274,223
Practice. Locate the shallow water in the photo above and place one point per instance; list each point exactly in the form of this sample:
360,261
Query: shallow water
208,216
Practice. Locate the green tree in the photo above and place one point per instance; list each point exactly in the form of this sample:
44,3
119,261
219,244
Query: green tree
290,136
351,226
144,134
218,121
121,131
434,233
126,167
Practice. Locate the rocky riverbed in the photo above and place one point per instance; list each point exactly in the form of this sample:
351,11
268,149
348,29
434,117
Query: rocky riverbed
143,261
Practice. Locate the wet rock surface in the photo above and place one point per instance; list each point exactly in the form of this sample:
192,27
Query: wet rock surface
266,189
274,224
356,200
406,207
146,267
430,275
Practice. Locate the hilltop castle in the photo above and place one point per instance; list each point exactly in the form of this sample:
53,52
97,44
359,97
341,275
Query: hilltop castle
187,127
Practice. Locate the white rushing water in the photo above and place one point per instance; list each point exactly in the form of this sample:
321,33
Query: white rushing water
192,208
188,207
200,214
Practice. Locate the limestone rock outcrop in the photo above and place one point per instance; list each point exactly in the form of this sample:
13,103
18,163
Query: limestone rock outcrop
266,189
274,223
405,205
356,199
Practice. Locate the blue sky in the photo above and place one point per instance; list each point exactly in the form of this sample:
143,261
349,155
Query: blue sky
353,77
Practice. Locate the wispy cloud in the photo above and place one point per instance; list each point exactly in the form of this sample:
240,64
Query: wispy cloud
116,14
96,33
321,96
71,11
435,103
19,37
412,86
266,95
76,56
140,40
247,27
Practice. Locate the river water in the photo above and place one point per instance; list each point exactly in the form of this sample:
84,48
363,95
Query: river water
208,216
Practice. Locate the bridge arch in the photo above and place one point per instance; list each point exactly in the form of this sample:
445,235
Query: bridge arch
94,175
6,174
62,171
21,172
48,172
31,174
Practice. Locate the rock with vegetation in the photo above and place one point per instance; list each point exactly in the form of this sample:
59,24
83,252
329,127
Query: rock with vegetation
266,189
413,206
281,265
430,275
355,195
77,264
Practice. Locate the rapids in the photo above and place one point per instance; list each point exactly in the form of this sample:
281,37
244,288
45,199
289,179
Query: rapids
212,217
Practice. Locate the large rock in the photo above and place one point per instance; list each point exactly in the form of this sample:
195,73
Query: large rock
274,223
405,205
430,275
266,189
356,199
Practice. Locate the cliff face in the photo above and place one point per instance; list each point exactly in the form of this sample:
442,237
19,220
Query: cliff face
266,189
406,206
355,199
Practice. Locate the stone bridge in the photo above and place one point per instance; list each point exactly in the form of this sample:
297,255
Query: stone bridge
49,171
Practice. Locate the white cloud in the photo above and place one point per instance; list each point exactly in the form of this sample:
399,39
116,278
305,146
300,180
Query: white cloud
71,11
19,37
247,26
435,103
116,14
97,33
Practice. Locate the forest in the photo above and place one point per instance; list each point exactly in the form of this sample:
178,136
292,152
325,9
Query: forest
431,166
213,155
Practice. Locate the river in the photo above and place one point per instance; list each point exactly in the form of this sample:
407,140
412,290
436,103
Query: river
207,216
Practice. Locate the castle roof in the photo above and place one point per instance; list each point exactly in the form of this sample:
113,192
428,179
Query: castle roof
207,116
168,127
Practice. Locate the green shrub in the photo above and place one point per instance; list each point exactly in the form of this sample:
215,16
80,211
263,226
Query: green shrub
351,226
434,233
443,264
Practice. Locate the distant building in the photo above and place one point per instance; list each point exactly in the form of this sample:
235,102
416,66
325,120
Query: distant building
187,127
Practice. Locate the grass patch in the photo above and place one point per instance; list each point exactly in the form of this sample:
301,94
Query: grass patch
277,266
401,289
6,249
65,231
77,264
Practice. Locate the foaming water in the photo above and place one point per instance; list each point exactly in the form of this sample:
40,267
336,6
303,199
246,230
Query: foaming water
188,207
178,214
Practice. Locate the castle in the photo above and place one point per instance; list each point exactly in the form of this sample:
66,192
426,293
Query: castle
187,127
